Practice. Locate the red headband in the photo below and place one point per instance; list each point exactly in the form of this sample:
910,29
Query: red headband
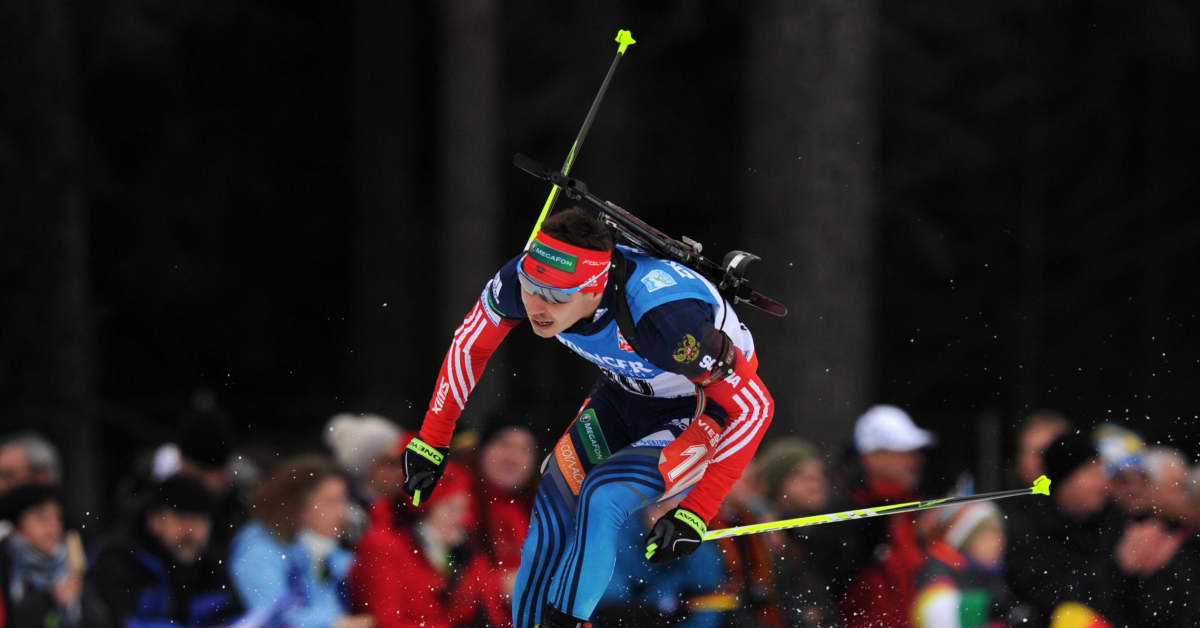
563,265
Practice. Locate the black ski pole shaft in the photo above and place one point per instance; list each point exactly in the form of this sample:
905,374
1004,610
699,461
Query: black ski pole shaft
624,39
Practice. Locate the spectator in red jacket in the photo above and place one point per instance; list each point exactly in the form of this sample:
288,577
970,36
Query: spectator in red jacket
414,566
886,551
504,492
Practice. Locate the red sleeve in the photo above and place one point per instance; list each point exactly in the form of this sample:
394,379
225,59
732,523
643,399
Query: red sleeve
750,406
474,342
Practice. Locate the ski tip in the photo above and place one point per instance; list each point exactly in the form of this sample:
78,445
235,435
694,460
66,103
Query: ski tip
650,550
417,497
625,38
1041,486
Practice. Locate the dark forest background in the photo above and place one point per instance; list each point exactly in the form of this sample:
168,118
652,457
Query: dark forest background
973,209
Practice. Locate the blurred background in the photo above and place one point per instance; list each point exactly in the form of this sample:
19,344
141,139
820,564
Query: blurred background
280,211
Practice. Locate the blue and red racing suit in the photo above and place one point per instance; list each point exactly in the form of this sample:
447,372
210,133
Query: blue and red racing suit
686,410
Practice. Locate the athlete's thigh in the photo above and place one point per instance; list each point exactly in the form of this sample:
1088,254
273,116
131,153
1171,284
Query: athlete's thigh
681,438
593,436
612,421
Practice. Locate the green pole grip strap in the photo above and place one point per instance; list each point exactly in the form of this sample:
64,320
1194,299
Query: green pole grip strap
425,450
692,520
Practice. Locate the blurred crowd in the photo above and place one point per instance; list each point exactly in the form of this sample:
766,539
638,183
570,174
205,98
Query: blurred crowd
205,534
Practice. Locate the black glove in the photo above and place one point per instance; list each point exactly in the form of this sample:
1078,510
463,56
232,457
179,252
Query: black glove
677,533
423,467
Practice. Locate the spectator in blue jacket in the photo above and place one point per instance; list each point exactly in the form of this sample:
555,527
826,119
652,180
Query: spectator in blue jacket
160,573
286,563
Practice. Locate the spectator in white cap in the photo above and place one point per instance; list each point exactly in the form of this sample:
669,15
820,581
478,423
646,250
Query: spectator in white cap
889,446
884,554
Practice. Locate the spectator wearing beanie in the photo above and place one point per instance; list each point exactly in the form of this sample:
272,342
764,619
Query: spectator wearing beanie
203,448
794,481
41,573
286,563
367,449
415,567
962,582
160,573
26,458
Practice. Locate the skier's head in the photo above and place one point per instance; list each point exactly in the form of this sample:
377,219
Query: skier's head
565,270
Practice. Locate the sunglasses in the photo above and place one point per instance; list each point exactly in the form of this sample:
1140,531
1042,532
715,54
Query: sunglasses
551,293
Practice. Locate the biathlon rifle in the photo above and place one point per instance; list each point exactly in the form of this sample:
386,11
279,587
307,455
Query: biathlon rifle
729,276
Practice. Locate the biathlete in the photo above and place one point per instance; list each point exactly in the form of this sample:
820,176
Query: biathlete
680,406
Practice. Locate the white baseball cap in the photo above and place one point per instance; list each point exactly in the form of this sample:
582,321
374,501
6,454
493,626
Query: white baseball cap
888,428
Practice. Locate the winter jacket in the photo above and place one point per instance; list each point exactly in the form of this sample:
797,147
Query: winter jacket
953,592
1053,558
133,581
802,569
889,551
500,519
28,598
394,581
751,581
280,584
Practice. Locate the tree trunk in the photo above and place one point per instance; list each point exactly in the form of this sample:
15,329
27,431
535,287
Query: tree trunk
810,207
392,218
470,191
46,355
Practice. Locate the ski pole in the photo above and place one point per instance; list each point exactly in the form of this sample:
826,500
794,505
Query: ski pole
1041,486
624,39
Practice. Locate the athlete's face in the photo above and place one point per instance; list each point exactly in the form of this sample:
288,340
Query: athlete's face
548,319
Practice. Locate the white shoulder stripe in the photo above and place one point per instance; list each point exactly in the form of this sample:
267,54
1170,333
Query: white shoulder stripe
738,427
457,383
750,430
761,397
467,354
758,424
